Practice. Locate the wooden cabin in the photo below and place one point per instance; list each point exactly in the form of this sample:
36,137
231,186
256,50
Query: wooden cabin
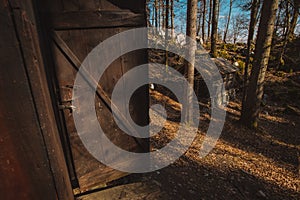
42,45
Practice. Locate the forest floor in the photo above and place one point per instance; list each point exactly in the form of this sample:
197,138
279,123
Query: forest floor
245,163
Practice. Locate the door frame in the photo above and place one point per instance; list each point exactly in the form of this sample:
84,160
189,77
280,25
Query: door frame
31,40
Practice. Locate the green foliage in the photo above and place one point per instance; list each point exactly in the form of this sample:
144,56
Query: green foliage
242,65
224,54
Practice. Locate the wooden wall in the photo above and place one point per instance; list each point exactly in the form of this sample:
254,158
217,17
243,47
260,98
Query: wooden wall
72,28
32,164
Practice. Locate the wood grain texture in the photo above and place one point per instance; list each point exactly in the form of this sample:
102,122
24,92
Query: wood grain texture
139,190
29,41
95,19
81,25
25,172
93,174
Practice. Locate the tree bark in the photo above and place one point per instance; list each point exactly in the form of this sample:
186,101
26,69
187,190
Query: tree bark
277,24
286,34
191,19
228,21
153,16
294,20
163,14
254,96
148,13
155,13
172,17
199,20
253,21
167,32
290,28
214,31
167,14
209,21
191,32
203,20
159,13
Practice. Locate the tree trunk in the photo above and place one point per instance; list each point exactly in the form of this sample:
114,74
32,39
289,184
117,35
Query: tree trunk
286,35
253,22
159,13
214,31
294,20
290,28
155,13
228,21
163,14
167,32
254,95
167,14
199,21
148,13
203,19
287,18
172,17
209,20
153,16
277,24
191,32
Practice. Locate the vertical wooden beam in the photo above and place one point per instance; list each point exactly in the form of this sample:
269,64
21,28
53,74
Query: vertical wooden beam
31,157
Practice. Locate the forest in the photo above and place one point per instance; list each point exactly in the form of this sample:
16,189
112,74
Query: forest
150,99
257,155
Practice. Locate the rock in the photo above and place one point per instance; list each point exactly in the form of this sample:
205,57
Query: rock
236,64
151,86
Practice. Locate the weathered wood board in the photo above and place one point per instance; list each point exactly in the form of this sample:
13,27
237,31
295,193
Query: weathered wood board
32,164
139,190
78,27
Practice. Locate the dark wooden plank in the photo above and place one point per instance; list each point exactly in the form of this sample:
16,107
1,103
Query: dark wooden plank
29,42
95,19
90,172
77,5
90,22
139,100
103,95
139,190
24,166
137,6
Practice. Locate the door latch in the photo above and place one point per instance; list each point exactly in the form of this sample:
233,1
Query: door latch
66,107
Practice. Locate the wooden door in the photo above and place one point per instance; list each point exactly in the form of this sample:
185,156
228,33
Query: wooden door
74,28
